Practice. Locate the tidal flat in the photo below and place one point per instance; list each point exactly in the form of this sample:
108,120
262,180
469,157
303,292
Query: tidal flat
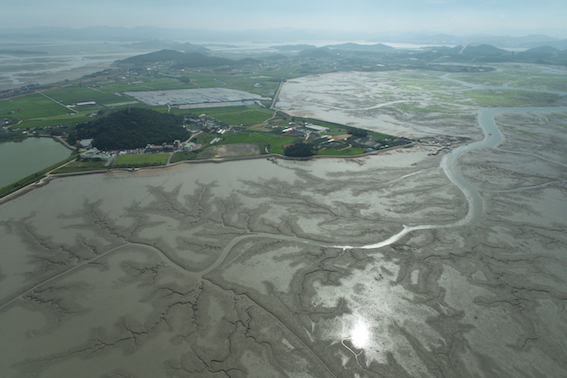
401,264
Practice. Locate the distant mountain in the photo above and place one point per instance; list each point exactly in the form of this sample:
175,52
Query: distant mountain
562,55
347,49
200,60
540,52
277,57
293,47
179,59
249,61
190,48
527,41
488,53
141,34
321,52
157,56
166,45
379,47
484,51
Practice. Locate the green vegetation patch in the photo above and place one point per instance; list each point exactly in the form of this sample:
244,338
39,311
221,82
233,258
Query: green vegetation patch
275,142
71,96
81,166
493,78
131,128
379,136
182,156
544,82
140,160
300,149
235,115
53,121
342,152
163,84
31,106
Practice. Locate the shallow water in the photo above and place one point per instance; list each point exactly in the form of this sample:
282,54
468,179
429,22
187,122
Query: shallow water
21,159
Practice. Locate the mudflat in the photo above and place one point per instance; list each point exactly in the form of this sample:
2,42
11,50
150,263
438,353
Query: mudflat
415,262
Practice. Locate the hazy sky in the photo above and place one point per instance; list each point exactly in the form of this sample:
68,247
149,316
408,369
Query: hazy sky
456,16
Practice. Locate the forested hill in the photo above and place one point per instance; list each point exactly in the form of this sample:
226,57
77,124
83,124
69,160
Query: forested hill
179,59
132,128
156,56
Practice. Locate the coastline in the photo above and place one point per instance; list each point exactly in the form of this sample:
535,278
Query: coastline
49,176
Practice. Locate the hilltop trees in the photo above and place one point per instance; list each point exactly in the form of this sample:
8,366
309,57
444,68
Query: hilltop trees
131,128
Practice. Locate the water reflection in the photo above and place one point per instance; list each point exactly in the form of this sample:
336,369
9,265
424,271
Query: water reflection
360,334
356,337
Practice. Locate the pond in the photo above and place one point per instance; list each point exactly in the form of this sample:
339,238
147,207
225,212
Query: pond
21,159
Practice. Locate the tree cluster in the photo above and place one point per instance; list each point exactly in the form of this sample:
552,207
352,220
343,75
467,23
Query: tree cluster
300,150
130,129
359,133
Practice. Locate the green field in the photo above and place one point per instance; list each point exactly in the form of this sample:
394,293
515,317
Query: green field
30,107
344,152
205,138
140,160
81,166
54,121
71,96
545,82
275,142
245,82
233,115
494,78
181,156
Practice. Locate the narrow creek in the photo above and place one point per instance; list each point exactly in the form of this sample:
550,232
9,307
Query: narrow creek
449,164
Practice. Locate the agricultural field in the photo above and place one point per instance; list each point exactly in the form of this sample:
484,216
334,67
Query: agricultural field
342,152
261,83
275,142
81,166
140,160
65,119
31,106
181,156
72,96
233,115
